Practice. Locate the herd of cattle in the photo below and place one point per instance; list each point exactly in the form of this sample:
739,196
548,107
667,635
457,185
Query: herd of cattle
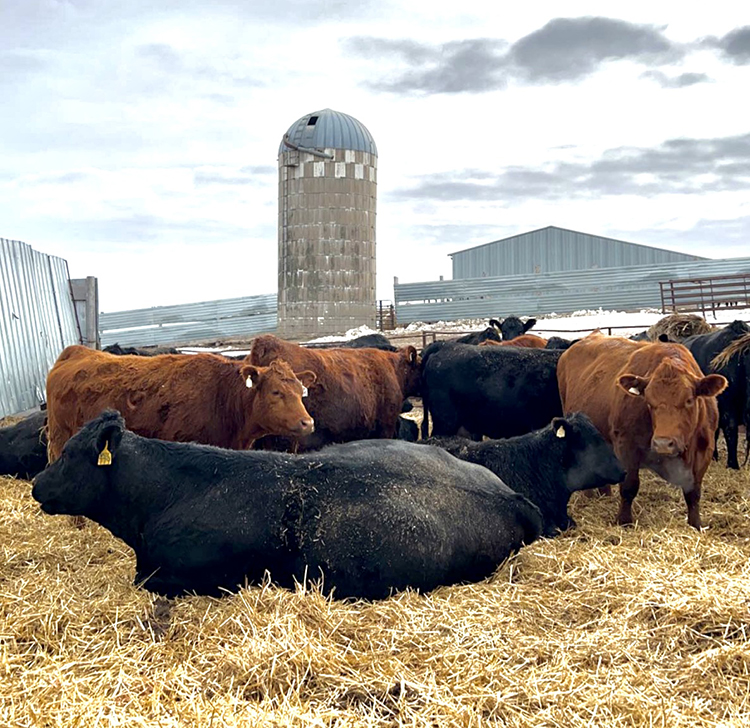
216,471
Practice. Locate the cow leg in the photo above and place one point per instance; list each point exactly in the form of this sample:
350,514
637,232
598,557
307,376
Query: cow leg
693,501
729,428
628,491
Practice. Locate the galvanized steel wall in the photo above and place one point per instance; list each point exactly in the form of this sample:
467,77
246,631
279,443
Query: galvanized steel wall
190,322
553,249
623,289
37,321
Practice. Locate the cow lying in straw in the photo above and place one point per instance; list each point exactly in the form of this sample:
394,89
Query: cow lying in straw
366,517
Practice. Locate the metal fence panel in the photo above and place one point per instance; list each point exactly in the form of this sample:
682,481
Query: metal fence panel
37,321
190,322
628,288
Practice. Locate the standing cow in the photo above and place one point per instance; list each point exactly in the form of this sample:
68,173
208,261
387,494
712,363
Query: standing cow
497,391
653,403
358,393
706,348
187,398
367,517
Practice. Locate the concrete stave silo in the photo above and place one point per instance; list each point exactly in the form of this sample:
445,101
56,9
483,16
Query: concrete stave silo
327,209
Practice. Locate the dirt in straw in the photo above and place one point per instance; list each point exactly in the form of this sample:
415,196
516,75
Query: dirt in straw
602,626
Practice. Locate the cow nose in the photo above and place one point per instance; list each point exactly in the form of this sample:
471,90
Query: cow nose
307,425
665,446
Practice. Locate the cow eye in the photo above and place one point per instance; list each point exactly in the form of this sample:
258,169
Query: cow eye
690,401
276,393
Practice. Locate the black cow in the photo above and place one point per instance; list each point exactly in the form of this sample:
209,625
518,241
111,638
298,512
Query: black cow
546,466
557,342
367,341
23,447
139,351
705,347
367,517
497,391
408,430
476,337
512,326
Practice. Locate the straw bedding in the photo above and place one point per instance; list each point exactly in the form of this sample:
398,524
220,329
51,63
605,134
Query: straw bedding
603,626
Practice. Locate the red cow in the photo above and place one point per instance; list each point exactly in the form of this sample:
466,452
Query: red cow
653,403
358,393
528,341
187,398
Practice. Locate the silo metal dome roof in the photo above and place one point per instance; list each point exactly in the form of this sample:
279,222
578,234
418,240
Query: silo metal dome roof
328,129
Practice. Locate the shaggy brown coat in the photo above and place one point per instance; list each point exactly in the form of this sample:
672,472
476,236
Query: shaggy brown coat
358,393
186,398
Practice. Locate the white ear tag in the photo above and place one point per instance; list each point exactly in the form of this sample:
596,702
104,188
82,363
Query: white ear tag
304,391
249,382
560,431
633,390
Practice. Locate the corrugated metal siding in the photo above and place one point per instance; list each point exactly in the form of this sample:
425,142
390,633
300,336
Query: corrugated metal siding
554,249
190,322
37,321
623,289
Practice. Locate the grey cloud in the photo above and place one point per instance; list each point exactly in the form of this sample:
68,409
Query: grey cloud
469,65
676,166
565,49
735,45
680,81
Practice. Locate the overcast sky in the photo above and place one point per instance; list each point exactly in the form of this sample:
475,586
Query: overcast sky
138,140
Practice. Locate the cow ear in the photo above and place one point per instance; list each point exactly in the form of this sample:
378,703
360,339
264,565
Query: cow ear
306,378
529,324
710,386
411,354
108,437
250,374
495,323
560,427
632,384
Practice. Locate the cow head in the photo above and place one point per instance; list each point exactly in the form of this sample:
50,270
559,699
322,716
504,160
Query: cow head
671,393
409,365
589,460
512,326
277,405
78,480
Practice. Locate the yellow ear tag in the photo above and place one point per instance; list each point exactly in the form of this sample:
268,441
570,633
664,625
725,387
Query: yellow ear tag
560,432
105,456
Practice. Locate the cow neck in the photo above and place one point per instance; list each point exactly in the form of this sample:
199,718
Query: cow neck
145,478
540,453
238,406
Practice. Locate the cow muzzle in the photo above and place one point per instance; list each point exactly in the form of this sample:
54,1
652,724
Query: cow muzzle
666,446
306,427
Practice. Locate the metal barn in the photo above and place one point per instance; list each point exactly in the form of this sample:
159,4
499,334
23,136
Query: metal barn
553,249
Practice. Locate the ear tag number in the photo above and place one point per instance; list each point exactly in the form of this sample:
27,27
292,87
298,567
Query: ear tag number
105,456
249,383
560,432
304,391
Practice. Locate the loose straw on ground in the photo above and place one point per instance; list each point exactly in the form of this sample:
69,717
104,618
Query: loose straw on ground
603,626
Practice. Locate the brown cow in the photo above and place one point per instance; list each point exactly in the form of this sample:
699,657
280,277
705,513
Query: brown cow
528,341
182,397
358,393
653,403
